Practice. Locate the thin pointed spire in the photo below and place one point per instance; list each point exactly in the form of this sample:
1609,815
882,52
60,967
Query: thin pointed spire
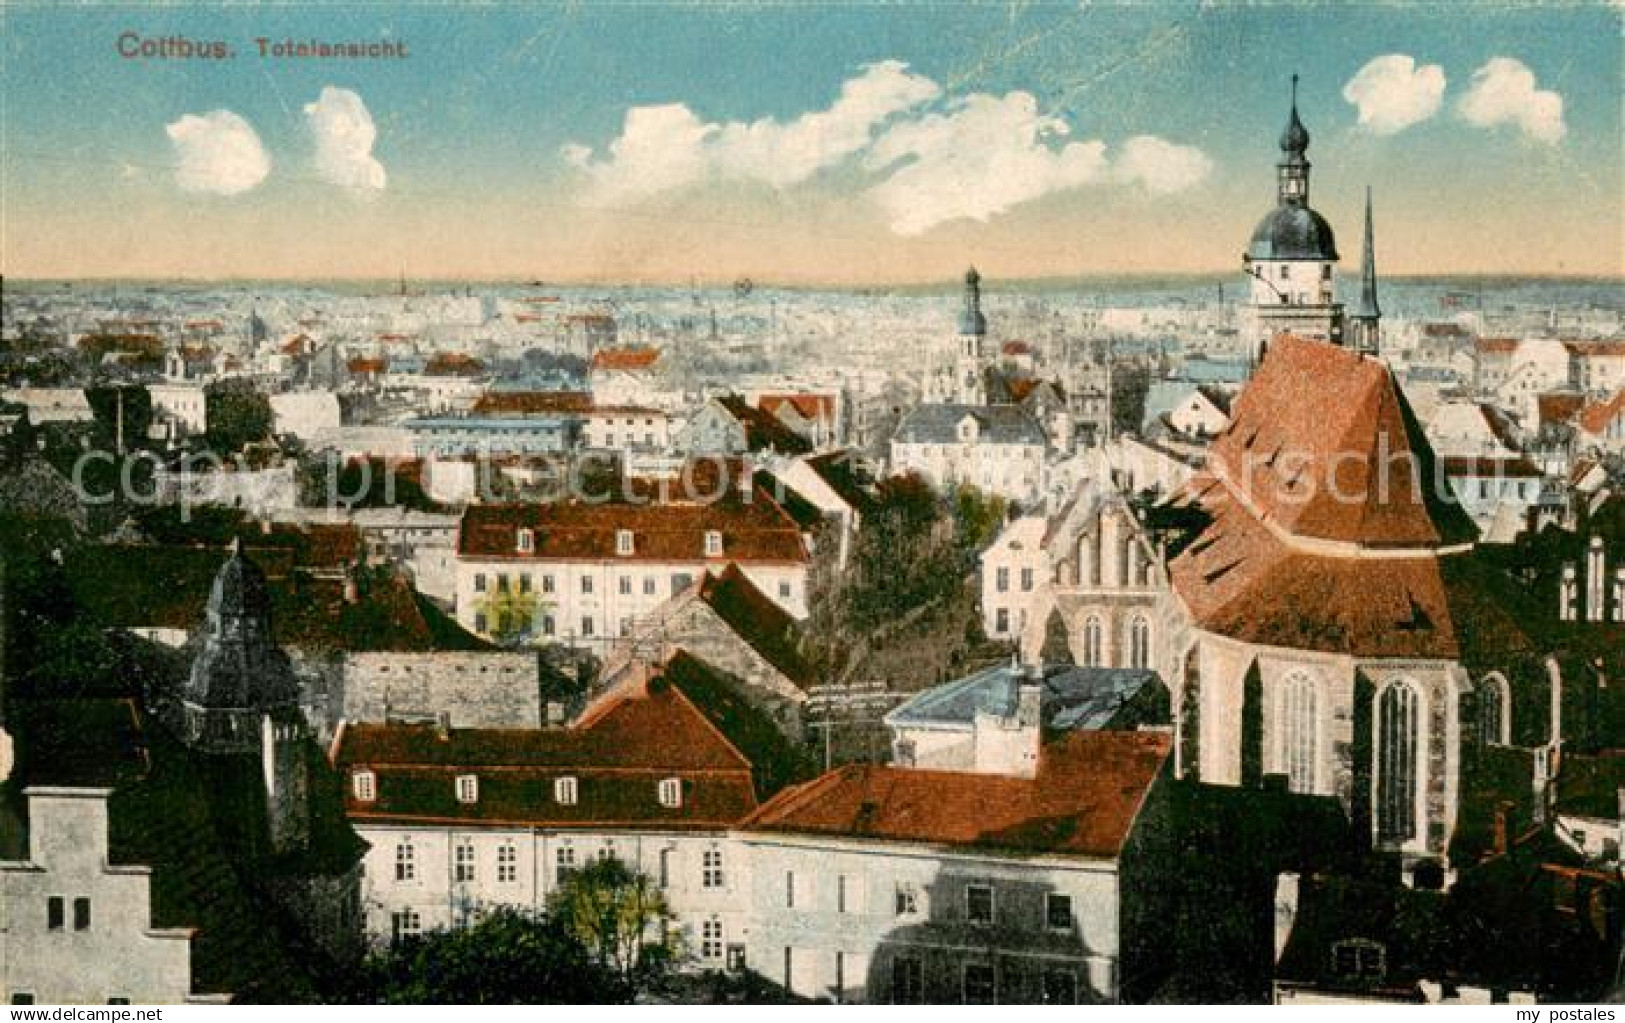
1367,307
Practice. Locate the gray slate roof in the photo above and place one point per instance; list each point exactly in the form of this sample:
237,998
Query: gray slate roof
999,424
1073,698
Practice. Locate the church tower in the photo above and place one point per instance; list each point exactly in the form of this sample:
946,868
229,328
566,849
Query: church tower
1364,329
971,355
1292,258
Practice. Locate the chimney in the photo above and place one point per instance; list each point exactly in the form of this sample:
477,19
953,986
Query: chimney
352,592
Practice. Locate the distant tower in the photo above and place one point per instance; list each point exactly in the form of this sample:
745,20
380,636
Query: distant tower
1292,258
971,355
1364,329
258,332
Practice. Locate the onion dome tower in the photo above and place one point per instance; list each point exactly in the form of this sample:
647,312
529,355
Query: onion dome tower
1292,258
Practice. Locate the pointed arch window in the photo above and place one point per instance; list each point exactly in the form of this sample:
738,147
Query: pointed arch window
1494,711
1139,643
1300,731
1398,740
1091,642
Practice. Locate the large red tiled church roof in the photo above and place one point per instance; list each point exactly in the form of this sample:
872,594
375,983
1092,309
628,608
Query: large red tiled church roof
1289,560
1305,447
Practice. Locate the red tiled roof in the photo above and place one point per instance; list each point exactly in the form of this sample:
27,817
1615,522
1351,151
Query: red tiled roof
754,531
618,756
533,402
454,364
1016,348
625,358
808,406
1594,419
1238,579
361,366
1307,442
1496,345
1084,802
1592,349
1558,408
757,619
1508,466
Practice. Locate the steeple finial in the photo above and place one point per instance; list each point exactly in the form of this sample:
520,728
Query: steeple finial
971,320
1295,139
1367,314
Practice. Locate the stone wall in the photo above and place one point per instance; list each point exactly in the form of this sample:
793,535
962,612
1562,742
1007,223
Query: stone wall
477,690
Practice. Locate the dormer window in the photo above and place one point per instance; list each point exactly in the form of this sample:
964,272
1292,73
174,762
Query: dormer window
671,793
526,541
468,788
1359,959
365,786
564,791
623,542
713,543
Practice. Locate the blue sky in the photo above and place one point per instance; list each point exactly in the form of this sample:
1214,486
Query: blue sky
457,159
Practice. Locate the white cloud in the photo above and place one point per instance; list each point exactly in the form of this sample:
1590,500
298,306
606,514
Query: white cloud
980,157
1503,92
1161,166
928,162
665,147
344,135
1393,93
217,152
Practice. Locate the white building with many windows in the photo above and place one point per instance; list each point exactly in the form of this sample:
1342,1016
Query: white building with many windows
587,572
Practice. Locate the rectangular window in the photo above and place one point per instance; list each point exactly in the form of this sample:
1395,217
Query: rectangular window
365,787
840,893
586,626
979,985
479,582
711,940
784,589
81,914
626,585
463,865
907,981
502,582
406,865
1058,912
1001,620
468,788
711,876
666,855
623,541
550,625
53,913
586,584
565,791
479,621
524,583
979,903
1001,578
789,889
649,586
1060,987
404,924
507,863
671,793
1026,579
713,543
547,584
564,863
908,899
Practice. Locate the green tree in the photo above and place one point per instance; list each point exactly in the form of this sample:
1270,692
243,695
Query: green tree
979,516
1057,648
622,919
510,615
238,415
507,958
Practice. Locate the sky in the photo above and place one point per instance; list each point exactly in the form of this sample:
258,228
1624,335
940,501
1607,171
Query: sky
800,144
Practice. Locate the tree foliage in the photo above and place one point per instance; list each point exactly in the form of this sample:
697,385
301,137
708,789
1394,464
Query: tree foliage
621,917
507,958
238,415
510,615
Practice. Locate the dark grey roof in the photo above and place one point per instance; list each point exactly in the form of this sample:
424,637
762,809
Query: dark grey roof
1291,231
997,424
1073,697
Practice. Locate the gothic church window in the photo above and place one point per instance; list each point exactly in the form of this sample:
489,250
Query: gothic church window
1398,739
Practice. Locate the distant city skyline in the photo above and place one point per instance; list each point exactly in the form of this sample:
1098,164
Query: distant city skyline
840,146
